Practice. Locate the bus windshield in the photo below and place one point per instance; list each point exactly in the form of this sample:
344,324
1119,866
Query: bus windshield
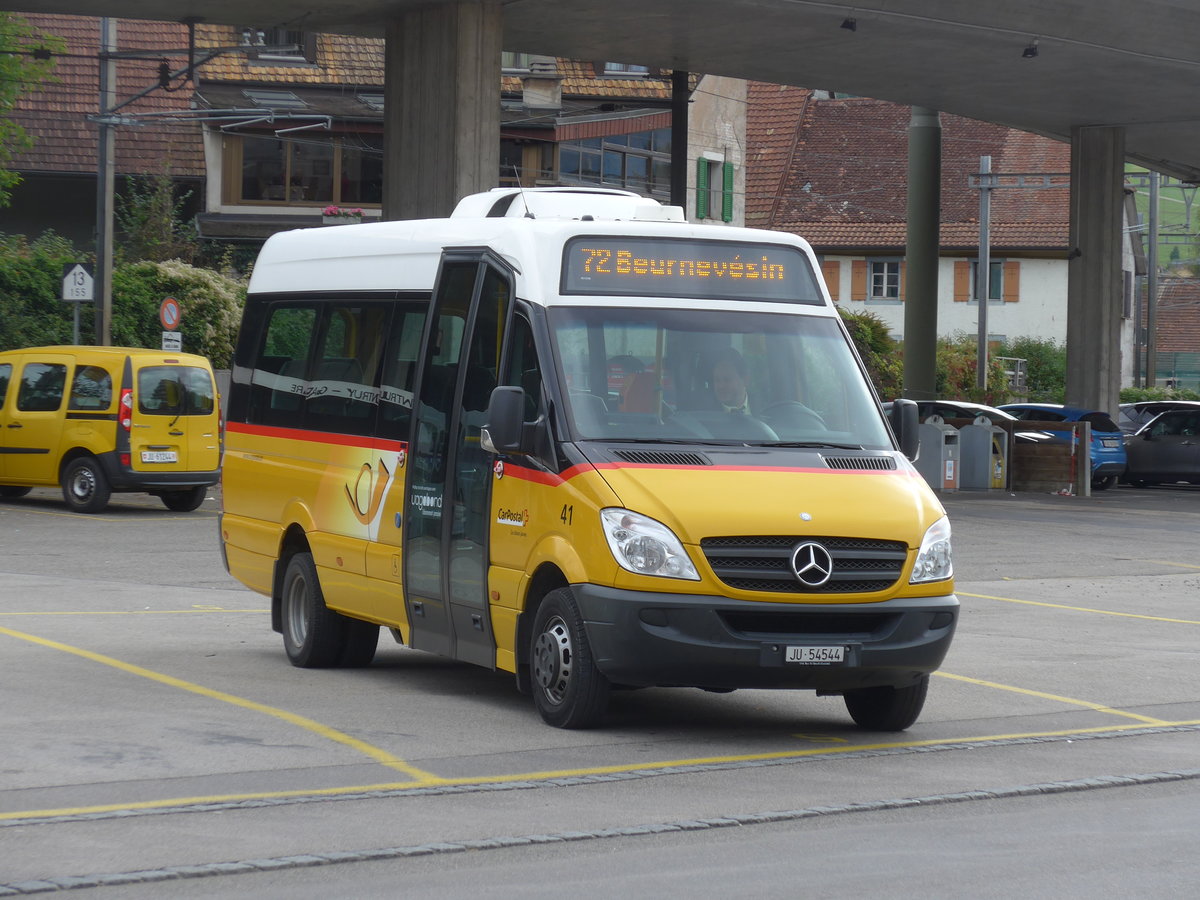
719,376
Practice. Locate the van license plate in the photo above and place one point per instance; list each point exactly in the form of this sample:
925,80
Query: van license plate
159,456
815,656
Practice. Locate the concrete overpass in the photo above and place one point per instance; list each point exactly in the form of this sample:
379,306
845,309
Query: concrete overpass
1115,79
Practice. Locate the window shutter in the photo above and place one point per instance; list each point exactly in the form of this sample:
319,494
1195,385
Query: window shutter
701,188
1012,281
903,279
831,271
858,279
727,192
962,281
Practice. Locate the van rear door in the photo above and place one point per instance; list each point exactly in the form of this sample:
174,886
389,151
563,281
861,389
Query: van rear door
174,427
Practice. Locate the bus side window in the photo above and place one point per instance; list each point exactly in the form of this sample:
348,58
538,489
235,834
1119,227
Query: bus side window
400,372
523,370
280,366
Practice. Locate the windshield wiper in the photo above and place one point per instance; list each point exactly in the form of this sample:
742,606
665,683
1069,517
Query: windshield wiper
685,441
813,444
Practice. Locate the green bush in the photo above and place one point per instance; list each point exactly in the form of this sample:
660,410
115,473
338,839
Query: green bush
31,313
880,352
1046,367
1133,394
210,304
957,369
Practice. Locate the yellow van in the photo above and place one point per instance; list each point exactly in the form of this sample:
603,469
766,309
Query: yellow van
98,420
566,434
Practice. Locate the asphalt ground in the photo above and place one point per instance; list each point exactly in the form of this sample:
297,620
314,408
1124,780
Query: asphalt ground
155,740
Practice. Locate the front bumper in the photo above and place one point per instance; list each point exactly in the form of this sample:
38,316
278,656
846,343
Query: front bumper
639,638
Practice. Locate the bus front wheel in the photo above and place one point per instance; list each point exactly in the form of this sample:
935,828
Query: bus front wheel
568,690
315,636
887,708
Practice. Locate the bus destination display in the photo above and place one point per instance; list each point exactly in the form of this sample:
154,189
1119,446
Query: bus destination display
664,267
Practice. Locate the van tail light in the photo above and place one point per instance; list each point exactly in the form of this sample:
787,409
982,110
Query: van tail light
126,411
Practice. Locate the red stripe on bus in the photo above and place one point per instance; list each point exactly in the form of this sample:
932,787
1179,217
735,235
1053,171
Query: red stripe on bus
315,437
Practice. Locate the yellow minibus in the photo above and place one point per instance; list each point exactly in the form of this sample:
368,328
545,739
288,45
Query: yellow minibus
565,434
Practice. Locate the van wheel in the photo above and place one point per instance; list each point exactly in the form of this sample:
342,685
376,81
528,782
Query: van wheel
887,708
12,493
84,486
568,690
184,501
314,636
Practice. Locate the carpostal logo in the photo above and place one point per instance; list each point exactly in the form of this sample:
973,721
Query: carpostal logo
519,518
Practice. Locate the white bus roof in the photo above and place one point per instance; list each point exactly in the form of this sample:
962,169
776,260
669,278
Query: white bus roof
525,227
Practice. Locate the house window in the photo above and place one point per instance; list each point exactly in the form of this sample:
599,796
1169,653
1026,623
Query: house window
625,69
346,170
303,45
714,189
639,162
995,280
883,279
514,62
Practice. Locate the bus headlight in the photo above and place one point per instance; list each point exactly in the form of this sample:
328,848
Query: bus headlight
644,546
934,560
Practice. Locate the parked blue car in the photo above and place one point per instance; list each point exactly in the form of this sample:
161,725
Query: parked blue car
1108,443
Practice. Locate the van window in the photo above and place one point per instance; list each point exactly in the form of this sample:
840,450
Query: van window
175,391
399,372
42,387
5,377
91,388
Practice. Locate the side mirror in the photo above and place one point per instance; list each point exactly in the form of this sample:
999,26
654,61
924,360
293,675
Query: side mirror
906,426
505,421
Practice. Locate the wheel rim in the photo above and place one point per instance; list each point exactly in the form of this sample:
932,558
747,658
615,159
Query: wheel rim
83,484
552,660
296,601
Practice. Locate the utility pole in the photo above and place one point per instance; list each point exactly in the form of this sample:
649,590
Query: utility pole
983,270
105,170
1152,287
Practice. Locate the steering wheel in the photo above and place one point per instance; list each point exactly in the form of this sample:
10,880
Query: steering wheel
794,413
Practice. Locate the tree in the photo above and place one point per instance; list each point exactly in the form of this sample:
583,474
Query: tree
26,61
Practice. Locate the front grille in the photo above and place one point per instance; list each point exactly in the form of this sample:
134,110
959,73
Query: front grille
797,624
860,565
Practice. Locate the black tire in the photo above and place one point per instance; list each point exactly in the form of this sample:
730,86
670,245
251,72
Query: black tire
887,708
359,644
12,493
314,636
84,486
568,690
186,500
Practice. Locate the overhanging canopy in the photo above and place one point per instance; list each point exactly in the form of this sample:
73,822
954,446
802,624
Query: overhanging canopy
1097,62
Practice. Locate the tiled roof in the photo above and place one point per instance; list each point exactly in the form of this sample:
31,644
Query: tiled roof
1178,315
845,184
55,115
340,60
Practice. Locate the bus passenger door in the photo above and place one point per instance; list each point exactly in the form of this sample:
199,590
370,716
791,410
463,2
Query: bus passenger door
447,507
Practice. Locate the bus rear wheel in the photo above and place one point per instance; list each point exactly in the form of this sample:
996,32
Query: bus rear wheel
887,708
185,500
315,636
568,690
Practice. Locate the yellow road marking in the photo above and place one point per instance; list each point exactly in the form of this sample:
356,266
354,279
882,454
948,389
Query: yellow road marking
379,755
1167,562
1103,612
562,773
131,612
1098,707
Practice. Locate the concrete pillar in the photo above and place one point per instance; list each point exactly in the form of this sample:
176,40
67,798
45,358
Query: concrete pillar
921,254
1094,282
441,133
